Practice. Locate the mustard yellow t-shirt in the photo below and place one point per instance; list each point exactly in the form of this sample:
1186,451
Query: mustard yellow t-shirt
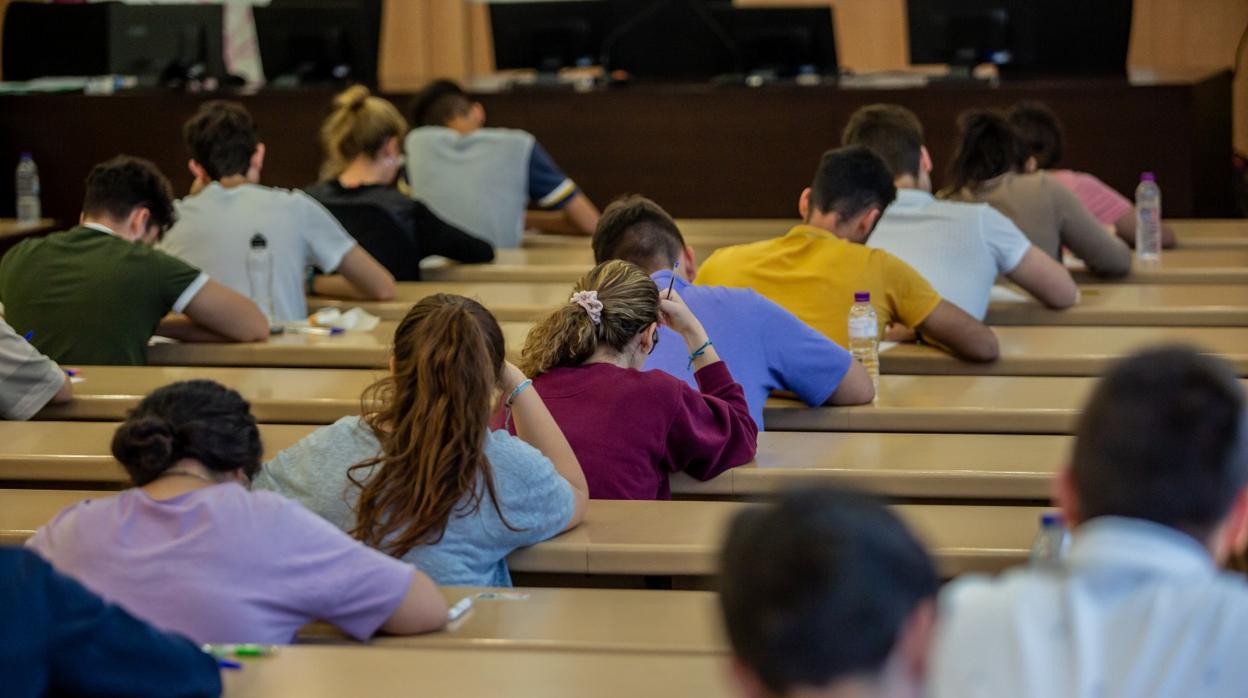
815,274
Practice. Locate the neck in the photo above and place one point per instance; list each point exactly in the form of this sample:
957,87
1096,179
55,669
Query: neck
233,180
186,475
860,687
361,172
607,355
461,124
906,181
831,225
119,228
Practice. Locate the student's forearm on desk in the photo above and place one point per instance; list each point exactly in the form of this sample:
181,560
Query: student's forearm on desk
183,329
336,286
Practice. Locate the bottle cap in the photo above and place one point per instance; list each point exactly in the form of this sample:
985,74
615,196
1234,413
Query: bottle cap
862,297
1050,519
27,156
258,242
1148,177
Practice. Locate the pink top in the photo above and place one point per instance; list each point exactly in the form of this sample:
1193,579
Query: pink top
631,429
1102,200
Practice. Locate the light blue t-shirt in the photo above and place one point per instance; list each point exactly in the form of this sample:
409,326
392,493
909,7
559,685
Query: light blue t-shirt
765,346
533,496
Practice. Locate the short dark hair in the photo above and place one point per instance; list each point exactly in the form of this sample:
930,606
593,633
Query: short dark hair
1163,439
1041,130
438,103
118,186
637,230
222,138
819,585
988,146
893,132
851,180
198,419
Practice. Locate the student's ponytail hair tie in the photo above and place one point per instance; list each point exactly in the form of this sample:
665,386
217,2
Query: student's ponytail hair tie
589,301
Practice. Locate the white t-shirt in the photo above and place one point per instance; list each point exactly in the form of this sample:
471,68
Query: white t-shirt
215,228
959,248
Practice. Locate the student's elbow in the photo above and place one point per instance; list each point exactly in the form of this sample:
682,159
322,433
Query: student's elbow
856,387
983,349
423,609
1116,267
65,394
1064,297
253,327
1168,238
384,289
580,505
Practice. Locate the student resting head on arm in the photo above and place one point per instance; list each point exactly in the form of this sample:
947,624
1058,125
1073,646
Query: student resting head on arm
420,475
826,593
991,166
95,294
190,550
362,139
767,347
1042,131
631,428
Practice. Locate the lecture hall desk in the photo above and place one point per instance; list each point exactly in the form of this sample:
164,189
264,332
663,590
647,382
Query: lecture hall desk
993,467
1189,305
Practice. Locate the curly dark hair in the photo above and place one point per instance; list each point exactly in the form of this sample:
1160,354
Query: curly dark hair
118,186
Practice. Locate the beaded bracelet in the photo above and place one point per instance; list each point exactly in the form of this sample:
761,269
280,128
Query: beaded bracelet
512,398
699,353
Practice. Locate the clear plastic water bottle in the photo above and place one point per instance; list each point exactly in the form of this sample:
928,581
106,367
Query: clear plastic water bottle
260,274
28,208
1051,542
864,336
1148,219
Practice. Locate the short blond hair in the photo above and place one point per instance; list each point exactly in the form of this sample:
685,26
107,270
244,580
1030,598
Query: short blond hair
361,124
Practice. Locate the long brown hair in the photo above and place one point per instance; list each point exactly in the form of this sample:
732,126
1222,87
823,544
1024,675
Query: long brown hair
361,124
568,337
431,416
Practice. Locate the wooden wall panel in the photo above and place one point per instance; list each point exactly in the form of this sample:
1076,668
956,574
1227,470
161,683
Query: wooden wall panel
426,39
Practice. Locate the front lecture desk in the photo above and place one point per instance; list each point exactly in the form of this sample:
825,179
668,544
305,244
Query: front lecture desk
700,151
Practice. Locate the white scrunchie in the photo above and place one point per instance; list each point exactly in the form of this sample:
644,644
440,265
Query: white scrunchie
589,301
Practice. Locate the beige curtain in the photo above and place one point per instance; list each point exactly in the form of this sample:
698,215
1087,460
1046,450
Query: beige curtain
426,39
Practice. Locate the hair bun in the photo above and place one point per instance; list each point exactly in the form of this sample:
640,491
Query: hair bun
352,98
145,445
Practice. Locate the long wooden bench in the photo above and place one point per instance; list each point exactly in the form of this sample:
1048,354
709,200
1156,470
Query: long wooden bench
946,466
678,538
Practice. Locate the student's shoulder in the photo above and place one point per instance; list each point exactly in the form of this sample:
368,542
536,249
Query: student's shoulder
511,457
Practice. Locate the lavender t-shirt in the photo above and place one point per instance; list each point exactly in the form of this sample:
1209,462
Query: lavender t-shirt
221,564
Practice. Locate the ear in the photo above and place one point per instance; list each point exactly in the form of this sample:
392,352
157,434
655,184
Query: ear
1233,538
1031,165
136,224
645,341
803,205
477,113
747,683
915,641
392,149
1066,496
925,159
688,264
866,224
257,164
198,172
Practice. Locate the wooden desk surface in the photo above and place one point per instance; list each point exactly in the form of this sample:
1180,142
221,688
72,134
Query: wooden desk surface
1210,233
277,395
1066,351
1130,305
332,671
9,227
507,301
1180,266
678,538
615,620
962,466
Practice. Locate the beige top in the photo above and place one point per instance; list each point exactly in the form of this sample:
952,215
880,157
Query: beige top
1052,216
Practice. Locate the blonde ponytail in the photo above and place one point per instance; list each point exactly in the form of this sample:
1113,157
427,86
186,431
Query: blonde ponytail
359,125
569,336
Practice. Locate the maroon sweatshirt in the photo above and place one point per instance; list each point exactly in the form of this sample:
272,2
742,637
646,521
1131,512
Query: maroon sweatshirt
630,429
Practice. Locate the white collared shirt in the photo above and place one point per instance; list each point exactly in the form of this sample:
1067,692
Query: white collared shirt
959,248
1138,610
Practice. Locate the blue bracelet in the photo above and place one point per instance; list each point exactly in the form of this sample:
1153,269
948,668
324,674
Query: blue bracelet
698,353
519,389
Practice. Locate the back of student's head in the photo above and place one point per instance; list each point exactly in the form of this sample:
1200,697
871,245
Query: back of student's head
116,187
222,138
850,181
430,415
988,146
1163,439
1041,130
360,124
637,230
198,419
439,103
570,335
893,132
819,587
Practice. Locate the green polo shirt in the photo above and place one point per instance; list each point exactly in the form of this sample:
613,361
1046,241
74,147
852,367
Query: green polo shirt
89,297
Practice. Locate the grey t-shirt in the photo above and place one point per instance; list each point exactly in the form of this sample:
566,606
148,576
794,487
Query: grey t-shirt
215,228
28,379
533,496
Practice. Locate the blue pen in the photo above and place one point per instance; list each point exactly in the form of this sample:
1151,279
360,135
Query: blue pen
29,335
227,664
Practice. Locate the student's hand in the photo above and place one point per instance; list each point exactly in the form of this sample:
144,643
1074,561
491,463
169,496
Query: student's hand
675,314
899,333
511,378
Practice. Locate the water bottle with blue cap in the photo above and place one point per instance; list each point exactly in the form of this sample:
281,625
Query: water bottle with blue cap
1052,542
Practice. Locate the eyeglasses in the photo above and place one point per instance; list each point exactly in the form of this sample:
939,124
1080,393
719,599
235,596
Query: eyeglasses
654,341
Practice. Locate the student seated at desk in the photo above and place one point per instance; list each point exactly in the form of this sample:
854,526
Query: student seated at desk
482,179
190,550
767,347
826,593
1156,492
58,639
990,166
28,380
228,207
363,156
1042,132
95,294
960,248
631,428
422,477
815,270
